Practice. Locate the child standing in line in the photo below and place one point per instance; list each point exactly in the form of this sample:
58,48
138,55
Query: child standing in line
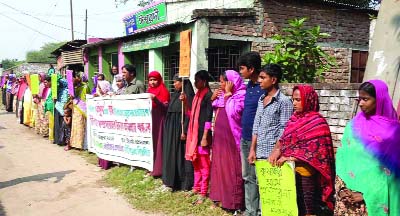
66,127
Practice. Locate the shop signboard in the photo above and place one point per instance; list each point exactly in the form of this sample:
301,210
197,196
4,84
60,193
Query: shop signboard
147,17
151,42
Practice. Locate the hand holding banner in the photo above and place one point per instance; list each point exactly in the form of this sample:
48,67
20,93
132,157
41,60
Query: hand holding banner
184,53
277,186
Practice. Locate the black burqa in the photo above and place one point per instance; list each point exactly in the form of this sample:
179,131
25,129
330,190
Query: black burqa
177,171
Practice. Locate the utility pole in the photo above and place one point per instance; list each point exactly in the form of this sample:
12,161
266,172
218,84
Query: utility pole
86,25
72,20
384,57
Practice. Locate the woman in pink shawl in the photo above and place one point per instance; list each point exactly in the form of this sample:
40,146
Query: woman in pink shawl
226,186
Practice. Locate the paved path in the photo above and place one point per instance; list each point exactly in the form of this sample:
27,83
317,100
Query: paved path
39,178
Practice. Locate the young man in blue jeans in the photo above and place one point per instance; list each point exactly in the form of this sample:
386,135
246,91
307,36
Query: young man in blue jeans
249,67
273,111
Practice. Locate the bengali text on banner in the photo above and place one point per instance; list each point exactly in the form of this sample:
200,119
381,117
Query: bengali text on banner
120,129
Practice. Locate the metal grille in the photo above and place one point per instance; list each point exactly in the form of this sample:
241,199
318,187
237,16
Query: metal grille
171,67
146,70
221,59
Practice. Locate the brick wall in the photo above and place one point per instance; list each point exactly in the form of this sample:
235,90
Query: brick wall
348,28
337,102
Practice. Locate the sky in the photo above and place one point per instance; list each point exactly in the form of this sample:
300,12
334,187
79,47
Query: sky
27,25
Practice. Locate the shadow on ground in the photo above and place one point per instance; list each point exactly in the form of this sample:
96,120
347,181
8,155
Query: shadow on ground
7,113
37,178
2,210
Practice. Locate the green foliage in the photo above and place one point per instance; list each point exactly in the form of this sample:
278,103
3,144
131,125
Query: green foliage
9,63
44,54
296,50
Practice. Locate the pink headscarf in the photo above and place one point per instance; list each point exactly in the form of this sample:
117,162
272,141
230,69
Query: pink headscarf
234,105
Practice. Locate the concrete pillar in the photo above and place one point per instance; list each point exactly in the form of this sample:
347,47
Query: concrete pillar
100,51
155,61
200,41
121,57
384,57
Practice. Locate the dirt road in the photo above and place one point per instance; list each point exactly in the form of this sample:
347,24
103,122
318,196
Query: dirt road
40,178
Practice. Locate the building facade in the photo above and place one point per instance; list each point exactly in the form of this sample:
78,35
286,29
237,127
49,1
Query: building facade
222,30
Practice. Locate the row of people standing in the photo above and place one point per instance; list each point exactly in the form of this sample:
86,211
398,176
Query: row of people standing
258,122
278,129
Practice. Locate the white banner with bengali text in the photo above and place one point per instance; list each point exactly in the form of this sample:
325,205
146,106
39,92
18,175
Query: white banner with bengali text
120,129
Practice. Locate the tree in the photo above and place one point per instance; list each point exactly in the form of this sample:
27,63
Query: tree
9,63
44,54
299,55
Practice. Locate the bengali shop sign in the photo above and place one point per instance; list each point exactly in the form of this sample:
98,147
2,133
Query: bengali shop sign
120,129
277,186
147,17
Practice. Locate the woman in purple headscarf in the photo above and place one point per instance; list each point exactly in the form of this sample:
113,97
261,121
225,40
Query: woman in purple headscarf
226,185
367,162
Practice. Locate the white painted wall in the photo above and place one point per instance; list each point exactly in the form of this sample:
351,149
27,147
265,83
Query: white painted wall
182,10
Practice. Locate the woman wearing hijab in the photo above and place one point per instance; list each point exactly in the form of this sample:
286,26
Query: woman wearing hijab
226,184
40,98
160,97
120,84
3,87
27,102
367,162
307,141
77,139
49,110
177,172
14,92
62,99
102,89
20,95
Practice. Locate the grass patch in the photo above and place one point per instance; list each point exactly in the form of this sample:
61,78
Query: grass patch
88,156
145,193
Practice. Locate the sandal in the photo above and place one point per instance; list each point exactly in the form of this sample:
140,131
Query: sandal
200,200
215,205
67,148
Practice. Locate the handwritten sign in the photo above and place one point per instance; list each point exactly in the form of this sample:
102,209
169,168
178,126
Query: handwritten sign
184,53
35,84
70,81
120,129
54,84
277,187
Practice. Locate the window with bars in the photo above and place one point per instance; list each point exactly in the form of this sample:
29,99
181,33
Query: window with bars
358,65
221,59
171,67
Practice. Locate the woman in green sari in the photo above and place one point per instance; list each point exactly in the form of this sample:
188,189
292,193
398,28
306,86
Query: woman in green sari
368,162
77,139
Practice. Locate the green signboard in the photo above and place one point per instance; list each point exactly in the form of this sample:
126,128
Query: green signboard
152,42
151,16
